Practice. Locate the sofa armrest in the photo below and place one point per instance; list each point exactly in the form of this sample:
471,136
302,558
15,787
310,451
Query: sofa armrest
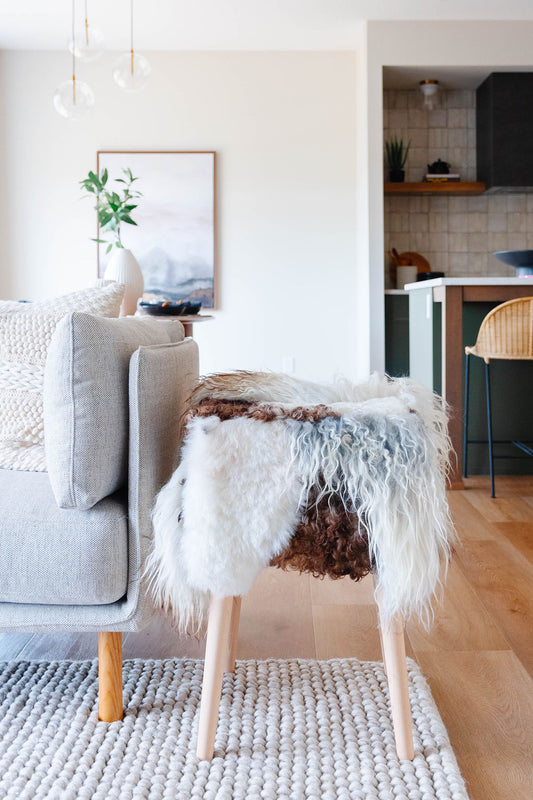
162,378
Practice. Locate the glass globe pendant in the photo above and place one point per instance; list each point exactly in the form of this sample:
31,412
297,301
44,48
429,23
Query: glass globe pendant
131,70
88,43
73,99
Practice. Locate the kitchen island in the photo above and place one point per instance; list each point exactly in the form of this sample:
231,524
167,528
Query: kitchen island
436,311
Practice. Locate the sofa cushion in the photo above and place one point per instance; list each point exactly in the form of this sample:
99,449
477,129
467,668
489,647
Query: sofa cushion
86,402
25,333
56,556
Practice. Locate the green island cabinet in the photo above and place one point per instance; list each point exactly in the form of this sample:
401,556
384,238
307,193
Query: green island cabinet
414,346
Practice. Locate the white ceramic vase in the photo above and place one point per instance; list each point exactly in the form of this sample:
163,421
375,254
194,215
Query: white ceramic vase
124,268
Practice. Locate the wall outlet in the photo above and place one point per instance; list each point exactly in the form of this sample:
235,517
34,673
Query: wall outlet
288,365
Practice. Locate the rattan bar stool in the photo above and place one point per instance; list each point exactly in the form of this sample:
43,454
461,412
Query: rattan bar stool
506,333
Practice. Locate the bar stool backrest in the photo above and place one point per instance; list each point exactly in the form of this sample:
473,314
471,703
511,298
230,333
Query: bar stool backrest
506,332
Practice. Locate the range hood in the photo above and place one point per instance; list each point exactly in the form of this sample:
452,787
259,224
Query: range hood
504,130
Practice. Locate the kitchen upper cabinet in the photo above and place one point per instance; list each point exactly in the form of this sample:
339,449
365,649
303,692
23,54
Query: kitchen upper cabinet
504,130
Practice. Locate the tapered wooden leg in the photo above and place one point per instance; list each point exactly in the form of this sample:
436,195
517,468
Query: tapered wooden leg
233,635
109,676
216,659
393,643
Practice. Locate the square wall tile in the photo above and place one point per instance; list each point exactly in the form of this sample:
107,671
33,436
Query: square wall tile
457,242
497,241
477,222
497,223
517,223
516,203
476,242
458,223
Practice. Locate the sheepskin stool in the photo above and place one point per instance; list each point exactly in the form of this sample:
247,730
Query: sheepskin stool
335,480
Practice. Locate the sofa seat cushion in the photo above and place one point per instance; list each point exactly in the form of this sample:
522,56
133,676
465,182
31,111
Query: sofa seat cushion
58,556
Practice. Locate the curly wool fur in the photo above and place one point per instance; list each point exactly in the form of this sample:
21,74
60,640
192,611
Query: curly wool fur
244,487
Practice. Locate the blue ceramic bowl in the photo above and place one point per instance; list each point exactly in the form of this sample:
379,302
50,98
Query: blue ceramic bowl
522,260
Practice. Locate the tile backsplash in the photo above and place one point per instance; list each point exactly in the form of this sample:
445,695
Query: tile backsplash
456,234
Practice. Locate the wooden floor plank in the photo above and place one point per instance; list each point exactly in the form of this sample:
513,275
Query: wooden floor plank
453,629
505,507
486,702
468,521
161,637
520,534
349,631
12,645
276,617
503,580
343,591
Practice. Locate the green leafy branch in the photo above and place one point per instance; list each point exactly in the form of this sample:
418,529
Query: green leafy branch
112,208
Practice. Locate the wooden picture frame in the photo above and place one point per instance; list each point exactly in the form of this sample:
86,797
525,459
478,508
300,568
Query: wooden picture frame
174,240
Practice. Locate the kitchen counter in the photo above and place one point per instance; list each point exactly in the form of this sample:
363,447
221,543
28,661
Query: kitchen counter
434,282
438,304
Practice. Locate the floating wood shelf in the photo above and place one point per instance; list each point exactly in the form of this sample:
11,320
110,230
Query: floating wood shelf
424,187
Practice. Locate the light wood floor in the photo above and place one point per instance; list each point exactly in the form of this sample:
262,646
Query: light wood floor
478,657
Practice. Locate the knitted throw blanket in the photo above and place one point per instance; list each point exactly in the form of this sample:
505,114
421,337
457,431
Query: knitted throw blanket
336,480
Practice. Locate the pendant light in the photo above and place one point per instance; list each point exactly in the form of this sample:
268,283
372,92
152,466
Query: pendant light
131,71
88,43
73,99
429,89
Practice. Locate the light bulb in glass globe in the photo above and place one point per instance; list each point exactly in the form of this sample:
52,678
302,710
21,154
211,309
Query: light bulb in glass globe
131,72
87,43
73,99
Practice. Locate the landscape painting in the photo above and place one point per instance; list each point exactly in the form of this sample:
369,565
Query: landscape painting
173,240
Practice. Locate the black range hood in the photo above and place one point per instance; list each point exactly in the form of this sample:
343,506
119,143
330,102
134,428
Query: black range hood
504,131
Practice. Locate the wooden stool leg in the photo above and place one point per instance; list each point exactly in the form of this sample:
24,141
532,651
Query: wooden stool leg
109,676
393,644
233,635
216,657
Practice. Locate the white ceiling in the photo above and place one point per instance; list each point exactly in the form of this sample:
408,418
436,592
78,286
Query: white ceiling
233,24
456,77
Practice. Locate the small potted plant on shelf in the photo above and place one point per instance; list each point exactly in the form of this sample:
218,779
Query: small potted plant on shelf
114,208
396,157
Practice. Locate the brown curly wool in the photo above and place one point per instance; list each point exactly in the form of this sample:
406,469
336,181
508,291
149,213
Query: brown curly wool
329,540
263,412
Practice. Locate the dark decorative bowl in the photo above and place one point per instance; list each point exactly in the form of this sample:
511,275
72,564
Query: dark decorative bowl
427,276
170,309
522,260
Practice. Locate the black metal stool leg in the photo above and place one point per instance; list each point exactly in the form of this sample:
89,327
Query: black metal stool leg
465,417
489,428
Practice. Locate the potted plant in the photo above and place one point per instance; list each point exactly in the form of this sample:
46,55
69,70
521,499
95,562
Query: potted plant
114,209
396,157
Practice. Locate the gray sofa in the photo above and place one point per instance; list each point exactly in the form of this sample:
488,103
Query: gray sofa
113,417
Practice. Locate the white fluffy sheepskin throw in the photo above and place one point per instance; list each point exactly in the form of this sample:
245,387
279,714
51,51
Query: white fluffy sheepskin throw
237,497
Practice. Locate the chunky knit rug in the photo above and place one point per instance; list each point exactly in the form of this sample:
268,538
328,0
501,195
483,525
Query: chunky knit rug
288,730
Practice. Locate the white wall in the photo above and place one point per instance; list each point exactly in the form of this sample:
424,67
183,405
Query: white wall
283,126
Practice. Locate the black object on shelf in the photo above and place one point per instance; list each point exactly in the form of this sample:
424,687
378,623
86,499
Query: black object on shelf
427,276
168,308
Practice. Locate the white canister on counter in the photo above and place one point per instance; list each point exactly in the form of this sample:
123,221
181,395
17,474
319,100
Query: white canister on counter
405,275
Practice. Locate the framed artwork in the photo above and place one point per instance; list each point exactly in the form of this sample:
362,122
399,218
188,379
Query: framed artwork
174,239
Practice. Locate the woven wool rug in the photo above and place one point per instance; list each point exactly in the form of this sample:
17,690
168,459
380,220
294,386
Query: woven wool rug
317,730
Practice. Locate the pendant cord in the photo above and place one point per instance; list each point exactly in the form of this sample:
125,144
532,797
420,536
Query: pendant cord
73,54
73,42
86,26
131,35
